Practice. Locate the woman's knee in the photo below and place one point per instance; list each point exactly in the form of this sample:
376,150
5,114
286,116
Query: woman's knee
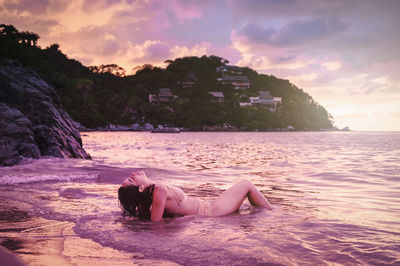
245,183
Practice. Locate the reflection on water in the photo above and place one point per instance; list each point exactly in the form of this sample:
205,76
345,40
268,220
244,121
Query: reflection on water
336,194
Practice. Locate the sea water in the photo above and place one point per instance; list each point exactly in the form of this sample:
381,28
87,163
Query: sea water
336,195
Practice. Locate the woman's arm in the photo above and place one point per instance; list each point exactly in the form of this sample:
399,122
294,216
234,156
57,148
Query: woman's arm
158,205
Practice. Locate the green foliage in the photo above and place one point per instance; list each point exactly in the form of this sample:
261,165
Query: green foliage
98,95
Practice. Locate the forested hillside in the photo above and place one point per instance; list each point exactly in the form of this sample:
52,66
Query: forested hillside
99,95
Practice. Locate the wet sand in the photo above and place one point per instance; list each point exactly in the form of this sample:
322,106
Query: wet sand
29,240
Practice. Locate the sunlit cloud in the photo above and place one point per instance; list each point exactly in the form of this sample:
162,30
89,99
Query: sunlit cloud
182,51
332,66
303,77
265,57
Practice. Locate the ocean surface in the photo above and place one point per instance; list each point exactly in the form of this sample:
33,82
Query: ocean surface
336,195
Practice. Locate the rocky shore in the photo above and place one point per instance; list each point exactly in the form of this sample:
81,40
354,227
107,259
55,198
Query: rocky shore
32,120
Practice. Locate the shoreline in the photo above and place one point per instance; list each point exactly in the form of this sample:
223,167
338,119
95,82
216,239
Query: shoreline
147,127
32,240
227,131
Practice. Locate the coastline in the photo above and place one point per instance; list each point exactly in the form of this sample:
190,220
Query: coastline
32,240
102,129
147,127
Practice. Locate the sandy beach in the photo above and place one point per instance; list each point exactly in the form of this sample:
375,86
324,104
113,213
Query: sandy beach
29,240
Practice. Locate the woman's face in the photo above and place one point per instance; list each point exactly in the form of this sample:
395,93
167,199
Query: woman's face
137,179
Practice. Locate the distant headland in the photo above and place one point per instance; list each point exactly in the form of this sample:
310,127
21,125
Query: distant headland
192,93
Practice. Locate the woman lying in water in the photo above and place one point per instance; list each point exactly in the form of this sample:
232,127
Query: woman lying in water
139,196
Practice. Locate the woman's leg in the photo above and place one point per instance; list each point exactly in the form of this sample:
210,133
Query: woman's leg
231,199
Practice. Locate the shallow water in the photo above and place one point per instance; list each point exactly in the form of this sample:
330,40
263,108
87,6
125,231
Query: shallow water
337,195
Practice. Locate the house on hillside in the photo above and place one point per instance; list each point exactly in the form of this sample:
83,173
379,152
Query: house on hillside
218,96
265,95
189,80
226,70
164,96
238,82
264,99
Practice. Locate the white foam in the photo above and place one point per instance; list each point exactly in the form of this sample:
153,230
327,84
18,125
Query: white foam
19,179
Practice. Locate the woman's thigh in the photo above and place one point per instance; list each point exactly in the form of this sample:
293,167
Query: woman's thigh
231,199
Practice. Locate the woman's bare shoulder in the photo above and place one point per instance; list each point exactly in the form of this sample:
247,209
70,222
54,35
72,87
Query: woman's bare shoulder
160,189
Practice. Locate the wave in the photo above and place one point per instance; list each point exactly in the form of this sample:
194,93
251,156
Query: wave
18,179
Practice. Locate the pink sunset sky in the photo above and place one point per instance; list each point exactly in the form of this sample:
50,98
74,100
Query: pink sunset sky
344,53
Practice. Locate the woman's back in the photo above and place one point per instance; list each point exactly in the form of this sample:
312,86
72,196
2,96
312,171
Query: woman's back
178,203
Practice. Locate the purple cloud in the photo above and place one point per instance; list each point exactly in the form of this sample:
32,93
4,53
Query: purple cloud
304,31
159,51
295,32
285,8
257,33
35,7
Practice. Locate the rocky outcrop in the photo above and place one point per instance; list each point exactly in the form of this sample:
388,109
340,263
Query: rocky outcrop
32,121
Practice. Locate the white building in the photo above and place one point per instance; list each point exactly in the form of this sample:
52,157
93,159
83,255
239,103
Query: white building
218,96
264,99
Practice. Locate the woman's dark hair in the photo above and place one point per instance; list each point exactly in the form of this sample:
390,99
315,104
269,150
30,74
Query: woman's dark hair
136,203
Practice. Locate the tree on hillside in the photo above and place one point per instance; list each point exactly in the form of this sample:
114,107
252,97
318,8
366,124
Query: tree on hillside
55,47
137,69
32,38
24,37
8,30
113,69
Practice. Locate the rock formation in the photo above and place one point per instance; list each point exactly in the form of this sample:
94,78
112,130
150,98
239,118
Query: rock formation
32,121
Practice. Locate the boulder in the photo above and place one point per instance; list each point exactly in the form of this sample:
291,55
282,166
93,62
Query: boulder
32,120
148,127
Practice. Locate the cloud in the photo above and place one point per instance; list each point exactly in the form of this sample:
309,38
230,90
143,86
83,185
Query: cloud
257,33
265,58
214,25
159,51
296,32
306,31
289,8
92,41
149,52
303,77
106,45
31,23
90,5
34,7
182,51
184,10
332,66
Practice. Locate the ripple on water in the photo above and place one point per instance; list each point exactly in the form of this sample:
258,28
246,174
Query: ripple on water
336,195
